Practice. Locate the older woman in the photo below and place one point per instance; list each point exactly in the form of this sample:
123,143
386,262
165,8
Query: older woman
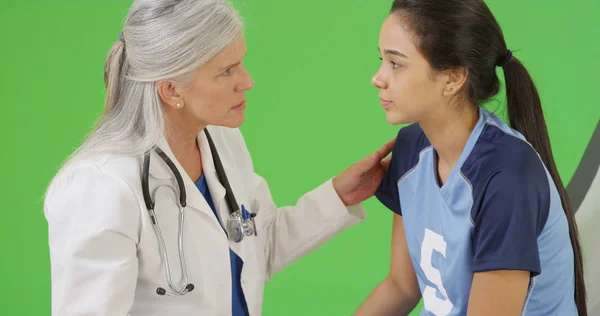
160,211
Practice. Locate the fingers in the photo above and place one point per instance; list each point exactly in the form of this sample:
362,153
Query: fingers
384,150
386,162
375,158
367,163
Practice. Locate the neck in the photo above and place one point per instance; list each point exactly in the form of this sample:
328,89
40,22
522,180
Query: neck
181,137
182,144
449,132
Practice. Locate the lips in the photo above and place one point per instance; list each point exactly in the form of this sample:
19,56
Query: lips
385,103
240,105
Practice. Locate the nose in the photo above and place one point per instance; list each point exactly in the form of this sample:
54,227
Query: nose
377,82
246,83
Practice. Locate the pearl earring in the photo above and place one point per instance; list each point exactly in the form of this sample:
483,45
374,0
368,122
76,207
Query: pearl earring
178,105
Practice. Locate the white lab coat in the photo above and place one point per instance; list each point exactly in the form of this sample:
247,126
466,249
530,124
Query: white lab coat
105,255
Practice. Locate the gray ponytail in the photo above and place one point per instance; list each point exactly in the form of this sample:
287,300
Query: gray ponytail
112,73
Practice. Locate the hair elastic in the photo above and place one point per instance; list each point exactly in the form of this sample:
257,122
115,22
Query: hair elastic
506,59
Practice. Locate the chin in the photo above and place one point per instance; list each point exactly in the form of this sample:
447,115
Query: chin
396,118
235,122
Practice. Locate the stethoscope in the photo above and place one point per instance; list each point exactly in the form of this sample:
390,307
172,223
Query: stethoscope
241,222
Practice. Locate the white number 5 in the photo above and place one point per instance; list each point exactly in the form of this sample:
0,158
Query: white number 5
432,303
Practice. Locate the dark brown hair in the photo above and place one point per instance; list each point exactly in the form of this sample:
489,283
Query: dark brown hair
464,33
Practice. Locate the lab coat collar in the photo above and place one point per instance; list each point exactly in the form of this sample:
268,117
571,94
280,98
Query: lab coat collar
159,170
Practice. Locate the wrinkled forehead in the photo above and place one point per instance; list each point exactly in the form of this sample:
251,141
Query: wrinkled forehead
232,54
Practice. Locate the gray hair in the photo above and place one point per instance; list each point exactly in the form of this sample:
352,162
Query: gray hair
161,40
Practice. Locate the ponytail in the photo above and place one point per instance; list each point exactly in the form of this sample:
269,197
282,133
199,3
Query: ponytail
113,67
525,115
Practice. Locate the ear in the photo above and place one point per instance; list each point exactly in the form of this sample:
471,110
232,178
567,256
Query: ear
170,94
454,80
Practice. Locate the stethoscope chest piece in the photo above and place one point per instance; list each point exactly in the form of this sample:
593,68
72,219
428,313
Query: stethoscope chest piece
241,224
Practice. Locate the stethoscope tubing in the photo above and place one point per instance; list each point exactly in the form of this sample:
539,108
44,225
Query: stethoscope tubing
149,201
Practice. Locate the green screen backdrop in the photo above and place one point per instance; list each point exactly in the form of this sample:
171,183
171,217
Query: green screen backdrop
311,114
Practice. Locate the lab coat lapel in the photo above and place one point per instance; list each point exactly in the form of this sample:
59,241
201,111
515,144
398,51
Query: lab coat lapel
159,170
217,191
247,249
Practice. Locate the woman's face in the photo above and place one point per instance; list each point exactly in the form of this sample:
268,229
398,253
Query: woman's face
217,93
408,87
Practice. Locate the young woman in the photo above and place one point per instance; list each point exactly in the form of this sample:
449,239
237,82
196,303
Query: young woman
482,224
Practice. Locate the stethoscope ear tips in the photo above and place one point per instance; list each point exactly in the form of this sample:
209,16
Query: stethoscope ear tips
190,287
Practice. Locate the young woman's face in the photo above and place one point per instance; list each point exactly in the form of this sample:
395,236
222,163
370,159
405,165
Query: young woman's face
408,87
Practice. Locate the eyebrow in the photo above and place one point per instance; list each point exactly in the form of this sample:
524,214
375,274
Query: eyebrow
229,66
232,65
394,52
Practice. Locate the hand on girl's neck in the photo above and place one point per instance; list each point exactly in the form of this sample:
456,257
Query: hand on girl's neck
449,130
